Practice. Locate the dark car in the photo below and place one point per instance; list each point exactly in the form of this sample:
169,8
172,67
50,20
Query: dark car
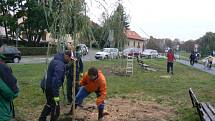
12,54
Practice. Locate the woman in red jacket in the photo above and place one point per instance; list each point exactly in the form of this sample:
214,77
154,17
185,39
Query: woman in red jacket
170,60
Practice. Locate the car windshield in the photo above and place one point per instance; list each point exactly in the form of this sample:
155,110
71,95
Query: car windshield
106,50
10,50
147,50
137,50
127,50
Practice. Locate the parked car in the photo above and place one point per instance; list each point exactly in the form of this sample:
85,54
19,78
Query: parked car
84,49
12,54
150,53
107,53
132,52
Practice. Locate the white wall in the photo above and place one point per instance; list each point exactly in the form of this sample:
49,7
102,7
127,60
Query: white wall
2,31
131,43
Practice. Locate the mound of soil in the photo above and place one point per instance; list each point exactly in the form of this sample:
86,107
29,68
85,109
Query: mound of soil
122,110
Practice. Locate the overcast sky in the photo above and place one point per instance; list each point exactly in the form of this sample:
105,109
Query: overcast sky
182,19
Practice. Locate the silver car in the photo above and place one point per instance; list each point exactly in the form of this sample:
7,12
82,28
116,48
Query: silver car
107,53
150,53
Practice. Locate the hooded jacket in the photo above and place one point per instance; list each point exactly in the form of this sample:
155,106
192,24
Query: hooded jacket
96,85
170,57
8,91
55,75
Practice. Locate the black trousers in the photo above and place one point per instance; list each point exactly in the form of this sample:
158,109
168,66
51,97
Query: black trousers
170,67
192,61
210,64
51,107
69,84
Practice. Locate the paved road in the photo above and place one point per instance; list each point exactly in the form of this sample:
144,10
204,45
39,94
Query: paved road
42,59
198,66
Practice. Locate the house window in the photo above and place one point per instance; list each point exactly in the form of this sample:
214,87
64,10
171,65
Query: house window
134,43
44,36
128,43
138,46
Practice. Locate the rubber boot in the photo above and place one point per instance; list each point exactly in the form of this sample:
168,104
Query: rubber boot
46,111
101,115
55,112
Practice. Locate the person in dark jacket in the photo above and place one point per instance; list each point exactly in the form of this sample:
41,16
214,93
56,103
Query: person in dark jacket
51,85
77,61
192,58
8,91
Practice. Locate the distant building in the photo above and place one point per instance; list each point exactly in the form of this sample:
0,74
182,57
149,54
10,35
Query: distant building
134,40
2,31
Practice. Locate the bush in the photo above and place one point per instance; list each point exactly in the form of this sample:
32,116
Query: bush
36,50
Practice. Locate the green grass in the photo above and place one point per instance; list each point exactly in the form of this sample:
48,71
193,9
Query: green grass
184,55
142,86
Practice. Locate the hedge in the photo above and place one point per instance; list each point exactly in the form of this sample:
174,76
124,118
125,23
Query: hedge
36,50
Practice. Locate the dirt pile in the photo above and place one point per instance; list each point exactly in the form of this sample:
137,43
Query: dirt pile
124,110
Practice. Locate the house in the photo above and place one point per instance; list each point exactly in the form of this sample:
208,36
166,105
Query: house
2,31
134,40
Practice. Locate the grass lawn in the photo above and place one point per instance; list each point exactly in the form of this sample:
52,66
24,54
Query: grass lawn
150,86
184,55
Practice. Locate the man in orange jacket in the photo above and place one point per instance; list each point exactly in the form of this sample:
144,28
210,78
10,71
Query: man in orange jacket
92,81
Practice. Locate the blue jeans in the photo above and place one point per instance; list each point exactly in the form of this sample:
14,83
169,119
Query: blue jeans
82,94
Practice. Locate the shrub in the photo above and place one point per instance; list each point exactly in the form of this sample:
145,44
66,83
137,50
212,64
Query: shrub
36,50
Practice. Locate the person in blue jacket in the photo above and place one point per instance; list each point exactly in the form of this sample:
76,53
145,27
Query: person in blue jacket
77,61
8,91
51,84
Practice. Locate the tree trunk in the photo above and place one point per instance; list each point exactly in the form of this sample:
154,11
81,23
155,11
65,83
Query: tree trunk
6,33
29,39
35,38
39,37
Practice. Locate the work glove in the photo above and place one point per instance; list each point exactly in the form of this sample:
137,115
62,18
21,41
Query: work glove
81,75
56,99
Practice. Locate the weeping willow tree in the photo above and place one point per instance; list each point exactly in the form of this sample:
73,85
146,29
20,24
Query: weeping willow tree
68,20
116,24
119,24
114,34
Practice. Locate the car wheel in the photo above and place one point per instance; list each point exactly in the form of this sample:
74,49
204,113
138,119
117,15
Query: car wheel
106,56
15,60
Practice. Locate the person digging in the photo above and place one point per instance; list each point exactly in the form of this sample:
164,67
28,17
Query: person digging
92,81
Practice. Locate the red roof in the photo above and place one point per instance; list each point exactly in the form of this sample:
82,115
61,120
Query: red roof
133,35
